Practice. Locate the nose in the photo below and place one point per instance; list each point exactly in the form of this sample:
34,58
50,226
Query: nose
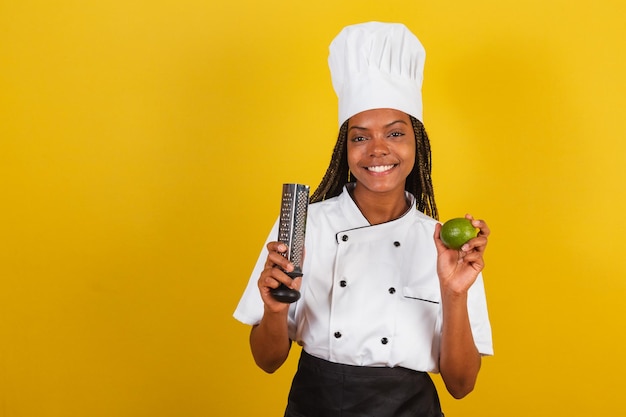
378,147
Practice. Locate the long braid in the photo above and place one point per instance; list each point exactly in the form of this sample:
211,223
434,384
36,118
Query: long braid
338,171
418,183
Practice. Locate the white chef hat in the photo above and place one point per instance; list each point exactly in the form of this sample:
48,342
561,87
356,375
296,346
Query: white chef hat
377,65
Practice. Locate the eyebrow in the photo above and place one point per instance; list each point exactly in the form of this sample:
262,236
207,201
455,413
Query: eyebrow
385,126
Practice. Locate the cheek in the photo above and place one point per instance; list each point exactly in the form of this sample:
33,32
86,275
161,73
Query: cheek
409,154
352,157
410,167
409,158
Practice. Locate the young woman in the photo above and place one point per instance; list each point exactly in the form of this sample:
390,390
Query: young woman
384,302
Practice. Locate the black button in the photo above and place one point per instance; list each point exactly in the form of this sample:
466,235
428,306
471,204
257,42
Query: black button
344,238
343,283
396,244
337,335
384,341
392,290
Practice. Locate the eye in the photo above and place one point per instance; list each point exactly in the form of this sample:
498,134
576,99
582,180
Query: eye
358,139
396,134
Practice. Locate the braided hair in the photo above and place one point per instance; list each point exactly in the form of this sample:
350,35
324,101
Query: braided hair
419,182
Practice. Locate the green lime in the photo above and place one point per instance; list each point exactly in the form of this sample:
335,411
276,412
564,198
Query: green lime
456,232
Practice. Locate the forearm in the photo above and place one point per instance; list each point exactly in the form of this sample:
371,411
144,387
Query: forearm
459,360
269,341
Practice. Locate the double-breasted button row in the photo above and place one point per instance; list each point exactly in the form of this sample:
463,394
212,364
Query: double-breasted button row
345,238
383,341
343,283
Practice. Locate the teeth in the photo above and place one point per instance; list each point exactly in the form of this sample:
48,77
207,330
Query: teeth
380,168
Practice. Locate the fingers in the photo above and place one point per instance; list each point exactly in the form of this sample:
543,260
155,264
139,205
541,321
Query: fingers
479,243
472,252
272,277
276,267
480,224
436,236
473,258
275,258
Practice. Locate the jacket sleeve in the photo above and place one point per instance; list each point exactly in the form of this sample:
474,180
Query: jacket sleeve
250,307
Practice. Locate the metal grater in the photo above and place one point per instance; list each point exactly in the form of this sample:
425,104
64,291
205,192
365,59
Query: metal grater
291,231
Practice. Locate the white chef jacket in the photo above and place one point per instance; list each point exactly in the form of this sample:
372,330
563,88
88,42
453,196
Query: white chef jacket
370,294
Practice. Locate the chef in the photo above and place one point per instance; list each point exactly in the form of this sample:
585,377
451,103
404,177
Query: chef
383,301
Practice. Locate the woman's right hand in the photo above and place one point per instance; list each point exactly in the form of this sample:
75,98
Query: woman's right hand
274,274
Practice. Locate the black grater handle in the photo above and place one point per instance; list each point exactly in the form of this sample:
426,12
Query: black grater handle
285,294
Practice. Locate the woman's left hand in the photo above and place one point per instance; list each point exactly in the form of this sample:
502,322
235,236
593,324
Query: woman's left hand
458,269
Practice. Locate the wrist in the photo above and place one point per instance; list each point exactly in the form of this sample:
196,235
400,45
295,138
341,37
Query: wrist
452,293
275,315
453,302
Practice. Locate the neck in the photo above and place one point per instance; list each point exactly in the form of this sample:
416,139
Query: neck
380,207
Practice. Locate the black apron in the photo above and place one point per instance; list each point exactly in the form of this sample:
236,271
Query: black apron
325,389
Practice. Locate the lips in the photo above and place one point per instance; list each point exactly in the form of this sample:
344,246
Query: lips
380,168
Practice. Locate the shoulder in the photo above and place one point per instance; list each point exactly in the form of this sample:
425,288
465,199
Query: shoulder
324,204
422,219
324,211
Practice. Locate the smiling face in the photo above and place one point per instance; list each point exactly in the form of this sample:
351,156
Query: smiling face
381,151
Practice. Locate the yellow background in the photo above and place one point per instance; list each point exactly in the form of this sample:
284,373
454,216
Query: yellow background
142,149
